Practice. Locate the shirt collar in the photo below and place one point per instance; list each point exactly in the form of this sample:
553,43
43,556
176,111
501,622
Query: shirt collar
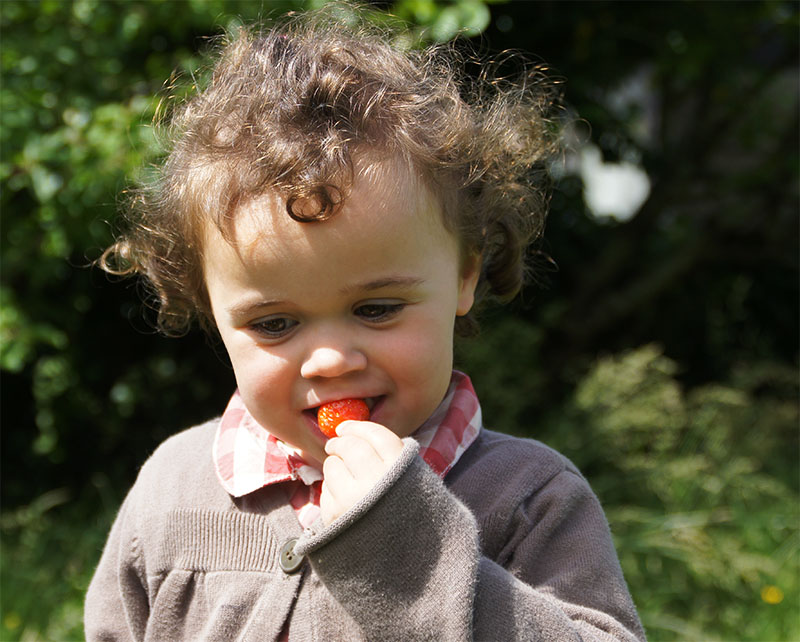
247,457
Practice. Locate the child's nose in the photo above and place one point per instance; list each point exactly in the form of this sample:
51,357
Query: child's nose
326,361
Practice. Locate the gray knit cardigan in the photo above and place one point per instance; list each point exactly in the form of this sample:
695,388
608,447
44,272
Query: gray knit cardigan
513,545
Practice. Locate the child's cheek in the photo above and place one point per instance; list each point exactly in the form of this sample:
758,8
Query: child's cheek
261,373
262,377
420,363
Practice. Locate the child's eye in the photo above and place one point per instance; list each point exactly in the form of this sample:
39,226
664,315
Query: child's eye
378,312
274,327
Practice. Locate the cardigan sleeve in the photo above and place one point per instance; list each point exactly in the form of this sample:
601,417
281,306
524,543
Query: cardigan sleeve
406,563
116,605
561,579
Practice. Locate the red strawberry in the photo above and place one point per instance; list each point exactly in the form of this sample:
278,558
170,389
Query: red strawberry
332,414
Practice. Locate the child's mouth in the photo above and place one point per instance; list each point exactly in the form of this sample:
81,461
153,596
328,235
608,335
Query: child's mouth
371,403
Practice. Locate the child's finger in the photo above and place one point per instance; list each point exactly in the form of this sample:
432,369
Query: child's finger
356,460
335,471
339,484
341,489
357,454
385,443
329,507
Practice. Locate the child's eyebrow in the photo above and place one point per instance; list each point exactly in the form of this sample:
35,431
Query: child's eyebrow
385,282
247,308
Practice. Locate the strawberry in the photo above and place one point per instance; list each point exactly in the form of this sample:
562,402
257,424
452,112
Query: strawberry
332,414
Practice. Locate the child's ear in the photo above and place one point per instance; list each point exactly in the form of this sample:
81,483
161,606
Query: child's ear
470,273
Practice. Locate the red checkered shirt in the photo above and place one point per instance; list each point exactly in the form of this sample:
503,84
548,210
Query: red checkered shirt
247,457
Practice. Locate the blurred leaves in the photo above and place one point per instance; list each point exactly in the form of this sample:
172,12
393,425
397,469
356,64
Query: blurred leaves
441,22
724,524
54,536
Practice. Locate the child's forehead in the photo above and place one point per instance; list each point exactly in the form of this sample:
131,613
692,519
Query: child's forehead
387,180
382,192
388,225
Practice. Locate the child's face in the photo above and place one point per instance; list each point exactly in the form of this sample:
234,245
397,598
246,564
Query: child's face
361,305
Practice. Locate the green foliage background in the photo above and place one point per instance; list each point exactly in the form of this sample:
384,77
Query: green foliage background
661,355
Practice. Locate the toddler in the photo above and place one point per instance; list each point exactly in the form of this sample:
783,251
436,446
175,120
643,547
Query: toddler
334,207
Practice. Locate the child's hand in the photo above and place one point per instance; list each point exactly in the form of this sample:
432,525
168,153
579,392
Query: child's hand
357,458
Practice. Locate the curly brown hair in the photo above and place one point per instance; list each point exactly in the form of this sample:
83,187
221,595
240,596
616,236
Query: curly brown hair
288,108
